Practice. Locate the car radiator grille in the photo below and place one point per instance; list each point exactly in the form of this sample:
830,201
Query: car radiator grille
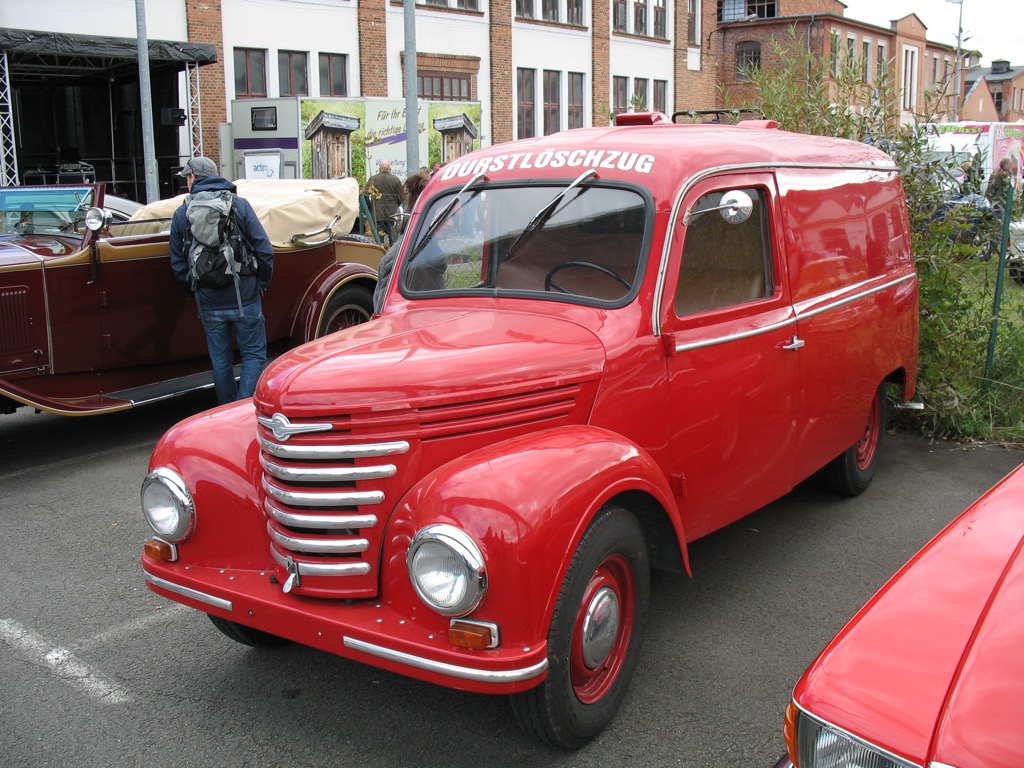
327,491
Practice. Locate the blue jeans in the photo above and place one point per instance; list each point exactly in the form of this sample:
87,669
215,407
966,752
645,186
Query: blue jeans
251,331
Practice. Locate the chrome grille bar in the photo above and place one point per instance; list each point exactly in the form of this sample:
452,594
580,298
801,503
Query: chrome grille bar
371,450
321,569
323,498
326,522
319,546
326,474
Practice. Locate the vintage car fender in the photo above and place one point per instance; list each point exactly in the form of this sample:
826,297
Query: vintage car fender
224,489
327,285
528,531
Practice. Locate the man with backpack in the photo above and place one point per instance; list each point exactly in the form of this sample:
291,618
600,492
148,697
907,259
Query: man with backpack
222,255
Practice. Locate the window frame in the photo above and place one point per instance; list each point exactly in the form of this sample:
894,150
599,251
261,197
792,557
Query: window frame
285,61
325,63
748,57
248,54
526,103
574,109
551,111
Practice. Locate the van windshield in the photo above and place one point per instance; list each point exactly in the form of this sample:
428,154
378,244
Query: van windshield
587,247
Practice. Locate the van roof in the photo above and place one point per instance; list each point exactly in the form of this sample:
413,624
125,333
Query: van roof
660,156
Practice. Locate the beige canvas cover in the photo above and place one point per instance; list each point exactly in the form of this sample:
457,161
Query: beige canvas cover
286,207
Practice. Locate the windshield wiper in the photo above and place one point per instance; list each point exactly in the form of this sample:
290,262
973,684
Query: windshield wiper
442,215
545,213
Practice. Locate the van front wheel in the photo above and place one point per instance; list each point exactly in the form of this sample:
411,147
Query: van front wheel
850,473
595,635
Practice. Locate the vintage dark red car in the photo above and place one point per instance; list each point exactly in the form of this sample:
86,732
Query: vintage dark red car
92,320
930,672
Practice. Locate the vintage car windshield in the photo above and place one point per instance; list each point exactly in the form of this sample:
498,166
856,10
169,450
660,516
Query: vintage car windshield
43,210
504,240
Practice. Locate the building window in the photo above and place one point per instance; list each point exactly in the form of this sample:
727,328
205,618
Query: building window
250,73
748,59
661,96
882,63
737,10
619,16
550,10
639,100
620,87
524,9
833,49
865,63
997,97
442,86
525,124
575,100
640,17
467,5
291,71
576,12
692,21
333,74
909,78
552,102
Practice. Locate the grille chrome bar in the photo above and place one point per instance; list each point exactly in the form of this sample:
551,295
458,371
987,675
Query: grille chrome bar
370,450
319,546
327,474
323,498
326,522
321,569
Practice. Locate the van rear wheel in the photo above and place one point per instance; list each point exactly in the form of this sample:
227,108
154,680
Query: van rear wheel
247,635
595,635
850,473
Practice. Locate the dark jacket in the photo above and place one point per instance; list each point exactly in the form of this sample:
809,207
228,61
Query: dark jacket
250,286
390,189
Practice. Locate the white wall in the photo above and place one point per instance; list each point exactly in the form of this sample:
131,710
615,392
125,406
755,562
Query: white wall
165,19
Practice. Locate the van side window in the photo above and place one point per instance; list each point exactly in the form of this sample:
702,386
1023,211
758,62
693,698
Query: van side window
724,263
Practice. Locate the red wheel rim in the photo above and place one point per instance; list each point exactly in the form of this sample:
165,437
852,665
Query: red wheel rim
346,317
867,446
610,591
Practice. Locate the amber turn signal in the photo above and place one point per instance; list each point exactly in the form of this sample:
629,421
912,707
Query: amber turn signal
789,732
475,637
156,549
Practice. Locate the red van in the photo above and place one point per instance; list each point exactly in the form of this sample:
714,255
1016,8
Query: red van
594,347
92,320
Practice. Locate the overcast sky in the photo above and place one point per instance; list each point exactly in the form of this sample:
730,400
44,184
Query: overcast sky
994,27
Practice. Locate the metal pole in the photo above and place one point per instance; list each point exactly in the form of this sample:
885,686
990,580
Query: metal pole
958,68
412,118
146,97
1004,239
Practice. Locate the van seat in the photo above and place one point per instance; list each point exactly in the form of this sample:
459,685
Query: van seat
713,288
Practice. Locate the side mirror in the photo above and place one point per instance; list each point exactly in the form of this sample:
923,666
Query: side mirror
735,207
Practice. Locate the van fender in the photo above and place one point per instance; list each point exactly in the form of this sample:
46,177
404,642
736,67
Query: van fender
527,502
329,284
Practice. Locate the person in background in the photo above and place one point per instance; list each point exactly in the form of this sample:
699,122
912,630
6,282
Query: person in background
971,184
384,191
218,307
996,193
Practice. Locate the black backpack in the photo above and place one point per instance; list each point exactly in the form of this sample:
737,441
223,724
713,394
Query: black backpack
217,252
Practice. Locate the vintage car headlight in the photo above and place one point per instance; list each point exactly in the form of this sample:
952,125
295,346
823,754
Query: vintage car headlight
167,505
820,745
97,218
447,570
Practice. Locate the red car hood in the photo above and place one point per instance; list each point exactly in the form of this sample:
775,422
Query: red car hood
445,355
932,668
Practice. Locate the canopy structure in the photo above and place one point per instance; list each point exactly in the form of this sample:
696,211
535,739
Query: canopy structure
52,77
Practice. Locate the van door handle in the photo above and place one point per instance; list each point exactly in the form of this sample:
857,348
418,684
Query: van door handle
795,343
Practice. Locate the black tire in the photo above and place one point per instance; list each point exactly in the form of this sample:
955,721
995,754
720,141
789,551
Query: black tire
609,573
247,635
850,473
348,307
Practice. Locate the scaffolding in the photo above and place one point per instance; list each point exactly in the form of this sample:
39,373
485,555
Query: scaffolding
8,149
195,110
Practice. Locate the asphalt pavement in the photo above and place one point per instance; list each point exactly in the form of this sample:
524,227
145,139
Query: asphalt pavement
96,670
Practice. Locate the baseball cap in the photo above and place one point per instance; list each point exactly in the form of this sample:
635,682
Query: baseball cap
199,166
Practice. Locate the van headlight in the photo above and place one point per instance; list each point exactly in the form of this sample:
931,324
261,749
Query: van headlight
821,745
167,505
447,570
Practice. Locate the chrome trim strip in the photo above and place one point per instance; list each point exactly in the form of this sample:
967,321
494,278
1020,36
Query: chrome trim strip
361,451
329,522
735,336
451,670
327,474
323,498
797,318
193,594
855,297
321,569
319,546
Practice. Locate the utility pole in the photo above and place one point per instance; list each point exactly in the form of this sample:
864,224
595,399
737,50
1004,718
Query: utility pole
412,115
146,97
958,67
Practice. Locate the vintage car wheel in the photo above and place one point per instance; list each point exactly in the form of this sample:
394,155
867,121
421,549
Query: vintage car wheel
851,472
595,635
350,306
247,635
